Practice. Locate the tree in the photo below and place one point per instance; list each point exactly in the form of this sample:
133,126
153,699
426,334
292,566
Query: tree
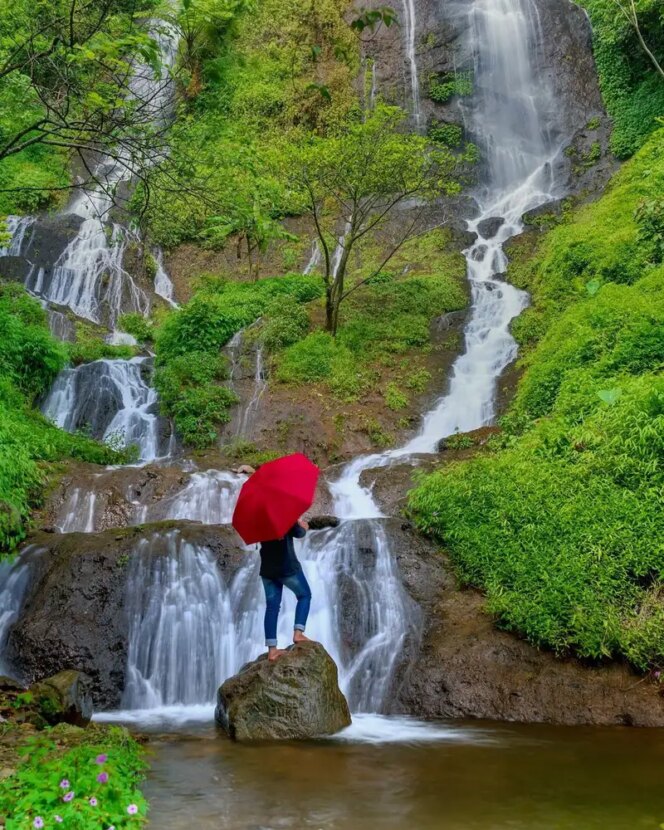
630,11
355,183
73,66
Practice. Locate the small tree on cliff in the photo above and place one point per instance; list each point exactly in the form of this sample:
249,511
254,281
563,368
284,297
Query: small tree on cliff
354,183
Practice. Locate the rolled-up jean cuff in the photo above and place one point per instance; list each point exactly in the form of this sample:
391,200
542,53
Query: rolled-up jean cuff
271,643
298,627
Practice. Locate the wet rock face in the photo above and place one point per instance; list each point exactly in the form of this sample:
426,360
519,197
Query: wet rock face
295,697
73,616
466,668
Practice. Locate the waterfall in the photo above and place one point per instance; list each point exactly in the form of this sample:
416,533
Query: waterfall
507,118
183,619
89,276
163,285
260,384
112,400
17,227
190,629
409,30
314,258
361,611
14,581
208,497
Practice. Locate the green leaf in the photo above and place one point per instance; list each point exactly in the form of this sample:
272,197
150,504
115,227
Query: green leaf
609,396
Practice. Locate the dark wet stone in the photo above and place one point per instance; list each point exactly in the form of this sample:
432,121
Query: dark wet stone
295,697
321,522
64,698
488,228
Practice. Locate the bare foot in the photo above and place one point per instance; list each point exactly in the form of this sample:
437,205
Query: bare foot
299,637
274,653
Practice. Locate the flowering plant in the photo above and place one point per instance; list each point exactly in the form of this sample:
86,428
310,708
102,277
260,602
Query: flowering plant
92,785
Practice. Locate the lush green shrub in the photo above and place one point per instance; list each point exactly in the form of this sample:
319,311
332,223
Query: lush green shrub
30,358
561,523
565,531
309,360
444,87
138,326
633,91
449,135
190,366
101,770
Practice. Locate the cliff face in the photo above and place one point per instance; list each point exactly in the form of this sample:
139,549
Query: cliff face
564,59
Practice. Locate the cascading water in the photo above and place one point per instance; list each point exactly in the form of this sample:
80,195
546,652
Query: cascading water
163,285
411,57
507,117
89,276
14,582
112,400
209,497
352,569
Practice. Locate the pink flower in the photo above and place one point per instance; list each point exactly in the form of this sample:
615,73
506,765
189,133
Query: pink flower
101,759
38,822
132,809
103,778
64,784
68,796
93,802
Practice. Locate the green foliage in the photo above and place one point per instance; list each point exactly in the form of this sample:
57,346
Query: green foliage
249,100
649,216
244,452
605,242
30,358
90,345
562,523
395,399
565,530
633,91
390,316
35,790
138,326
450,135
444,87
286,322
190,366
64,85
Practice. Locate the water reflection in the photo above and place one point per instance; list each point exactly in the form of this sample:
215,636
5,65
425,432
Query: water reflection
474,776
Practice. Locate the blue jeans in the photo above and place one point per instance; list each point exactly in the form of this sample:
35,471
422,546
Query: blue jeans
274,588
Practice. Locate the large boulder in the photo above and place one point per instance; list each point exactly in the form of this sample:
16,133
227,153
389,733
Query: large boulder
296,696
64,698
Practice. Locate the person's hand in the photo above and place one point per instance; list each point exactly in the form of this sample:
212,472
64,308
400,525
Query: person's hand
304,524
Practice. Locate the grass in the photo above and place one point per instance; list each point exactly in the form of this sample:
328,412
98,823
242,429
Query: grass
561,522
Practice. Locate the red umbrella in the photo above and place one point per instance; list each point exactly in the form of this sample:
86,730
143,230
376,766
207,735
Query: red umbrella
274,498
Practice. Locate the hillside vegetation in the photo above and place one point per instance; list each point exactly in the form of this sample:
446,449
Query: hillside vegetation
562,522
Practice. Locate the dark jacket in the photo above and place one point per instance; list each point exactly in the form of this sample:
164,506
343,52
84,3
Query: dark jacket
278,559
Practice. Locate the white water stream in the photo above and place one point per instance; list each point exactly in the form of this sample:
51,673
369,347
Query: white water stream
352,569
112,400
190,625
410,22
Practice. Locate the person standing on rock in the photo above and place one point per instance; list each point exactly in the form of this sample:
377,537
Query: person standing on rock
267,508
280,567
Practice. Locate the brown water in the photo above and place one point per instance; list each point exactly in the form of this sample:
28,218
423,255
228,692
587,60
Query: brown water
473,776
